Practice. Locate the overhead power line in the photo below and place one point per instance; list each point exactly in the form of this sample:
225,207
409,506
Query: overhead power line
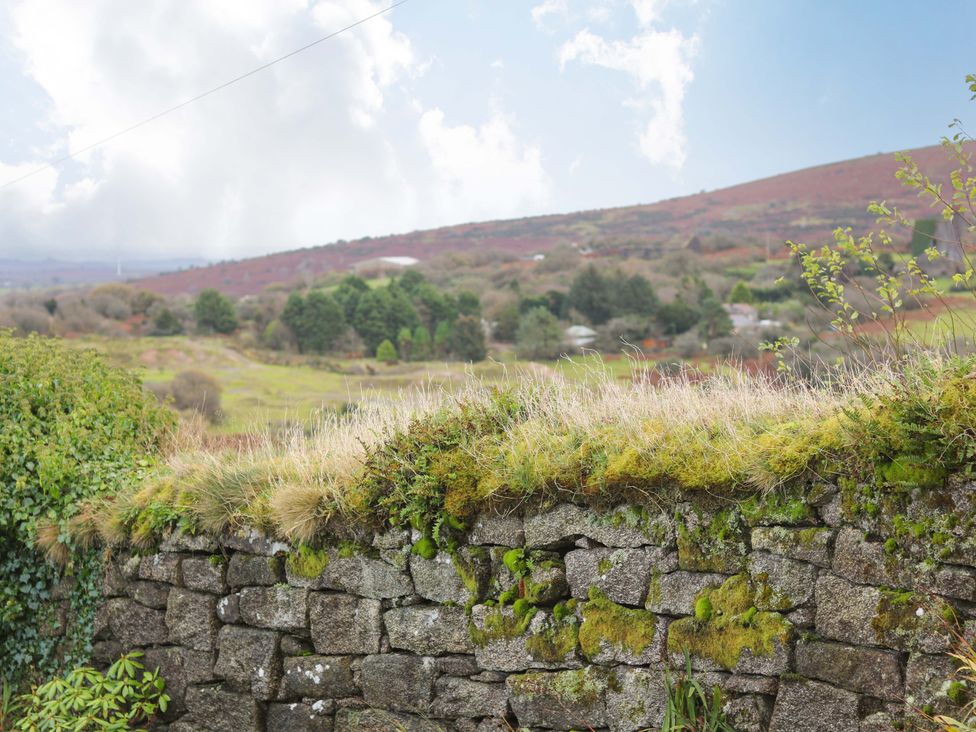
198,97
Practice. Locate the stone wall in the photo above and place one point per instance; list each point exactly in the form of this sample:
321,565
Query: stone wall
561,620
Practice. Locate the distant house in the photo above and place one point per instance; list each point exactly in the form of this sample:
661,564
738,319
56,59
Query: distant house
746,317
951,238
580,336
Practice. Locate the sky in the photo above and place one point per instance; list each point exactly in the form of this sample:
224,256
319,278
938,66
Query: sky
438,112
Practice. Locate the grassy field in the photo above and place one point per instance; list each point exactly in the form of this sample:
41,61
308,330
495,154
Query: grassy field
256,393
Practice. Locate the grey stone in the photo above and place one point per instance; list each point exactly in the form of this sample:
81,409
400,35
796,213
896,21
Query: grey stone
318,677
192,619
674,593
460,666
454,697
926,678
229,608
622,574
379,720
845,610
199,573
505,530
785,583
293,645
105,653
366,577
547,582
252,541
392,539
344,624
832,512
623,527
249,660
749,713
398,681
457,579
809,706
802,617
114,583
133,624
180,667
129,566
253,569
161,568
179,541
556,528
297,717
879,722
805,545
560,699
637,700
150,594
280,607
218,710
429,630
865,670
949,581
865,562
742,683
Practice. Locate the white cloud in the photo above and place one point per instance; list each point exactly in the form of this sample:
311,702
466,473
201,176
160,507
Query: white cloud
328,144
548,8
659,64
473,164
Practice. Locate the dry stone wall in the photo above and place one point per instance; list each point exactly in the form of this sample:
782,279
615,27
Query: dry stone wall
561,620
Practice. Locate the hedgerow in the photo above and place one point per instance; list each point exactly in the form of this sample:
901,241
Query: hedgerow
71,429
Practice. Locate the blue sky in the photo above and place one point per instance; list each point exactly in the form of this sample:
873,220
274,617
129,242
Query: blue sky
443,111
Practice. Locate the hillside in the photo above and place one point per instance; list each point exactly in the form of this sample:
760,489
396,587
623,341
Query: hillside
803,205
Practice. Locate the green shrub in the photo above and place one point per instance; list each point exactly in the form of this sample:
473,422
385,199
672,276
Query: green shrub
71,429
85,699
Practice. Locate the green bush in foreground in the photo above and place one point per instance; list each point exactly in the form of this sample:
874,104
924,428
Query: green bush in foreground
85,699
71,429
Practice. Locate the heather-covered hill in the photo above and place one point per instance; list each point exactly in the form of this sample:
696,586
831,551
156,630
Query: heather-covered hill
803,205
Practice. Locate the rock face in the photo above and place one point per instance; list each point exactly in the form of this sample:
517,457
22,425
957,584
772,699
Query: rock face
560,620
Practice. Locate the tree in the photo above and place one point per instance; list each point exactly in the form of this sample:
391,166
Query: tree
323,321
370,320
421,343
411,280
506,323
677,317
293,316
539,335
633,295
405,344
742,293
166,324
215,312
468,304
714,321
442,338
386,352
590,296
347,294
468,339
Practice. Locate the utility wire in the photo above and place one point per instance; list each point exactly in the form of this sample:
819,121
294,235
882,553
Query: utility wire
198,97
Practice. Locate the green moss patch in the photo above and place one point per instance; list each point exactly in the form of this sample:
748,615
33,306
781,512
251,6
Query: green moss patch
607,623
726,623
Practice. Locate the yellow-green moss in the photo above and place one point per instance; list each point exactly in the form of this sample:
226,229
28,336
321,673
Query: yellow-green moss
499,624
555,642
732,626
606,622
580,686
305,561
